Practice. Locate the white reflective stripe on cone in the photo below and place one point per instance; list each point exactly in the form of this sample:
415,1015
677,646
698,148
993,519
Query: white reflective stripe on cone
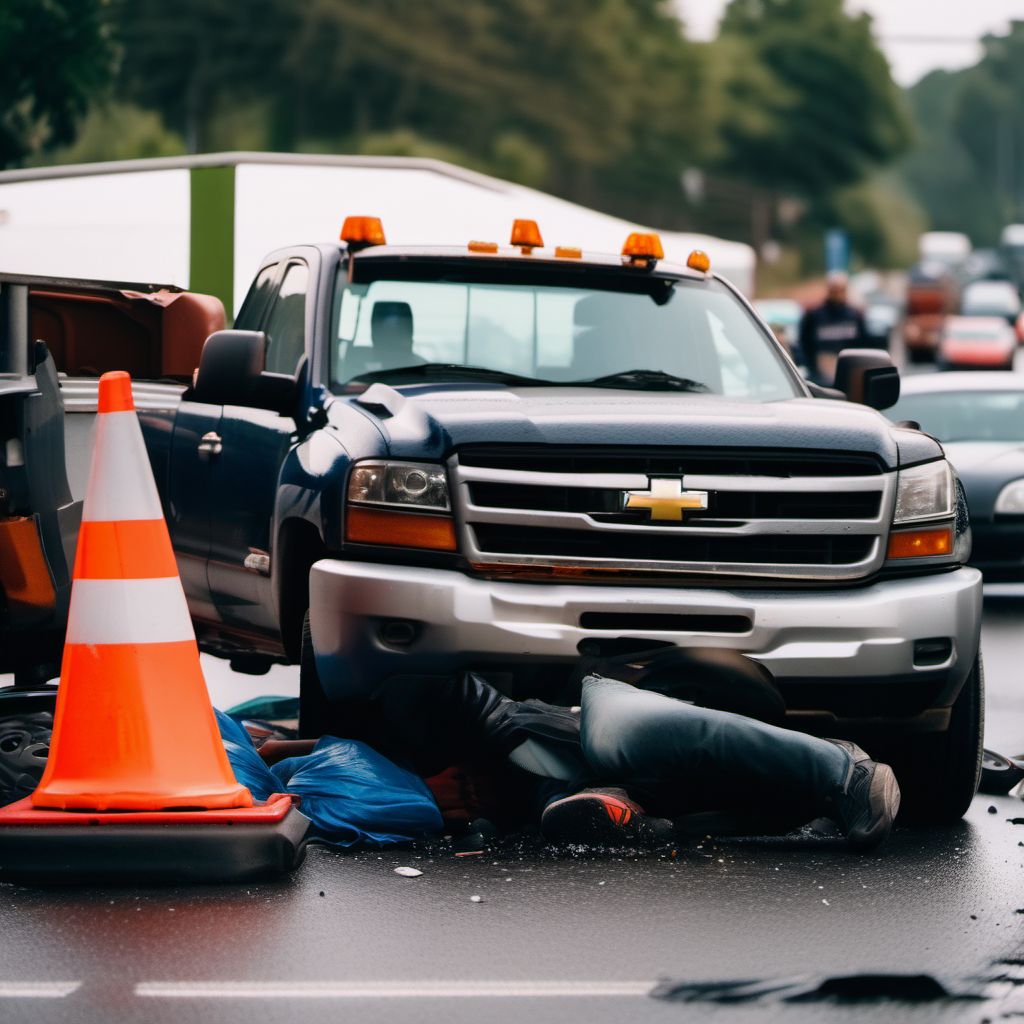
121,484
128,612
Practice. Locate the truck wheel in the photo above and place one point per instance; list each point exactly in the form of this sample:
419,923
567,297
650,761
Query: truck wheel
314,707
939,773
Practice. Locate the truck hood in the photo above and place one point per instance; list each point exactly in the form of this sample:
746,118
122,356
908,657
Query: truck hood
430,421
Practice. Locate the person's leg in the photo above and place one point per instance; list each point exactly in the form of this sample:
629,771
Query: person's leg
697,758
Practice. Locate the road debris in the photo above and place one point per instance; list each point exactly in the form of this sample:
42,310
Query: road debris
408,872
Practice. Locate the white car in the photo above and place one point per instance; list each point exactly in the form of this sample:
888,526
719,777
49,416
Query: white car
991,298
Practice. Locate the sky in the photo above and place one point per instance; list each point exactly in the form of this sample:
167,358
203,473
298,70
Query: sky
916,35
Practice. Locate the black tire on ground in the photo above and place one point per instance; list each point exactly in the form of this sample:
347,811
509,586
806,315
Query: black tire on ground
314,707
938,773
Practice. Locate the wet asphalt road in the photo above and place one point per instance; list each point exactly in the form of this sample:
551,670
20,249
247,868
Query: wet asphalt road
585,938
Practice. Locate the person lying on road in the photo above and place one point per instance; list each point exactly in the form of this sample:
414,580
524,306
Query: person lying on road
630,761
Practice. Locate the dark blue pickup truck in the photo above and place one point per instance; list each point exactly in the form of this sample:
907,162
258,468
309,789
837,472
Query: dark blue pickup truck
416,461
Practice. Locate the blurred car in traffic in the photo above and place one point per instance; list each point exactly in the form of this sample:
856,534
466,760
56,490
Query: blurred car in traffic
983,265
991,298
977,343
783,317
931,297
979,418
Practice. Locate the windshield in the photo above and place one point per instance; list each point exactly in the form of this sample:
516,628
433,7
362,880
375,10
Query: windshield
965,415
694,331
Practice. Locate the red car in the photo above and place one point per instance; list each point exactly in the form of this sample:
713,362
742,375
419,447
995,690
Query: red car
977,342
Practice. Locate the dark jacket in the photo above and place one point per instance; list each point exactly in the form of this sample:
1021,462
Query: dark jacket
830,327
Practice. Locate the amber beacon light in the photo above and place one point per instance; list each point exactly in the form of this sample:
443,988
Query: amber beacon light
699,260
643,245
526,235
360,232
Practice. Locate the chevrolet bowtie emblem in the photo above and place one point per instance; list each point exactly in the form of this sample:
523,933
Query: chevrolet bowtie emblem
667,500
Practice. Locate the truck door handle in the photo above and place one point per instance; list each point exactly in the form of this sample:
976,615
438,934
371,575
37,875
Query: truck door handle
210,446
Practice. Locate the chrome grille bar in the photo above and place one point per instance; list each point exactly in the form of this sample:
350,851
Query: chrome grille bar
875,526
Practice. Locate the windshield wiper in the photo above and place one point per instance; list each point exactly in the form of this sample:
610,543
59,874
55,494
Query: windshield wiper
647,380
449,371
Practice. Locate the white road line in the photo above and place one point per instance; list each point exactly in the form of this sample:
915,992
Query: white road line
390,989
38,989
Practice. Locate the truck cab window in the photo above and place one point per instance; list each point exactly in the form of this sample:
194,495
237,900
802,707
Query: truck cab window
257,299
286,325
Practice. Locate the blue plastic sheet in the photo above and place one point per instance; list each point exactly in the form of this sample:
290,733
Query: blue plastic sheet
249,768
351,793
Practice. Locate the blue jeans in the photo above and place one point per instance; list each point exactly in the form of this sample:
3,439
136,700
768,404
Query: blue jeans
676,758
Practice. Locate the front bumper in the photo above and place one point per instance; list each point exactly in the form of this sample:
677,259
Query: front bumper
836,654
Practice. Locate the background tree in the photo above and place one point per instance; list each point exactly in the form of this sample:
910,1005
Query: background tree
969,167
811,105
196,60
599,99
55,56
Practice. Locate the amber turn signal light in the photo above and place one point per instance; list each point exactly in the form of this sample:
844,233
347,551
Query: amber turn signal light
526,235
569,252
399,529
490,247
643,245
921,543
362,231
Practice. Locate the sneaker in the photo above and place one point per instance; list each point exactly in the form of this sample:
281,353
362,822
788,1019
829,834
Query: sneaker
601,817
866,806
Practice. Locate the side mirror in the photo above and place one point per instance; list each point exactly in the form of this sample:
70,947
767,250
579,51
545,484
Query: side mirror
231,372
867,376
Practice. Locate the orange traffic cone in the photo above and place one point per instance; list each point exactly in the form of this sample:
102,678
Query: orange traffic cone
133,729
135,747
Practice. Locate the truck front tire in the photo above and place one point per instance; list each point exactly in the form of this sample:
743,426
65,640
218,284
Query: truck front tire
938,773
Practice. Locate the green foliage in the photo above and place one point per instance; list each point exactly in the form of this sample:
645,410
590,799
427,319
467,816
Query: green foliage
969,167
603,101
195,61
883,222
117,131
582,97
405,142
809,102
55,56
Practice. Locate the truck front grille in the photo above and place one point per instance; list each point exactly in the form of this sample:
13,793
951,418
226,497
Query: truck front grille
769,514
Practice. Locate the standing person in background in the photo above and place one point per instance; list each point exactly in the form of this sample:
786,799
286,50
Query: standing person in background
827,329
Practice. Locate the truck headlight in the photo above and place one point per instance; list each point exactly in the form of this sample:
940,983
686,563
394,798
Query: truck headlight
924,492
414,484
1011,500
401,504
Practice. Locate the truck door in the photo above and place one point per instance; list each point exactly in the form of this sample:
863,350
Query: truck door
194,450
253,446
